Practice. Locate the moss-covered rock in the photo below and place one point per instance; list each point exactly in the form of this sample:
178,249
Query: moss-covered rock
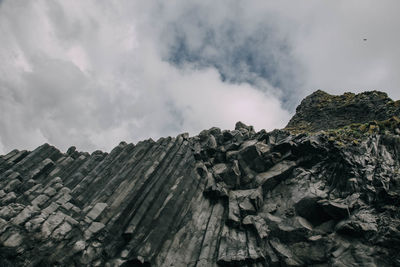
322,111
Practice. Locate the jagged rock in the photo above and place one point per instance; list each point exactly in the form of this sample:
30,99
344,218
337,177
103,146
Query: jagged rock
50,191
40,200
293,197
51,223
13,241
269,179
258,223
243,128
309,253
311,208
97,210
362,223
12,185
285,254
252,155
335,210
79,246
24,215
43,167
93,229
61,231
34,224
9,198
10,211
321,111
6,212
228,173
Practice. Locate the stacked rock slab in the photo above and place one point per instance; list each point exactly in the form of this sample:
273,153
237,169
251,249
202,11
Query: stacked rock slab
222,198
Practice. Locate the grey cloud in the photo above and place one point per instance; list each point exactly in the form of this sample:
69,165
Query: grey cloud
226,35
93,73
297,47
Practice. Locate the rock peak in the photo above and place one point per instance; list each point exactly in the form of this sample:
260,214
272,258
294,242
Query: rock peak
322,111
240,125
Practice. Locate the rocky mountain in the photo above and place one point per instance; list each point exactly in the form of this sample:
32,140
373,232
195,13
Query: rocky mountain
324,191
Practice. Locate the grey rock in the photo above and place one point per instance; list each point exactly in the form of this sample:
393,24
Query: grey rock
34,224
228,173
9,198
14,240
25,214
252,155
93,229
241,126
362,223
51,223
336,210
12,185
97,210
321,111
292,197
311,208
79,246
309,253
50,209
275,175
40,200
61,230
50,191
258,223
7,212
43,167
285,253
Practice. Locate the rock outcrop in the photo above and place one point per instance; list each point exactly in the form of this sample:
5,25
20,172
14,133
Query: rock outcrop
222,198
322,111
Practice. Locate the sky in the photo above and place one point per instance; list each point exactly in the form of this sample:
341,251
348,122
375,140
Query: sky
94,73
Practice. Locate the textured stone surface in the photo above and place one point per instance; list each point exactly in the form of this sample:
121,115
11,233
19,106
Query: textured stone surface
222,198
321,111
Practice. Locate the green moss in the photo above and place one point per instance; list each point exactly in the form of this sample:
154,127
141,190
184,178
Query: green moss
363,128
354,133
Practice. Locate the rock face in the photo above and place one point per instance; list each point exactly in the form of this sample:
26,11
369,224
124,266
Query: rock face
322,111
222,198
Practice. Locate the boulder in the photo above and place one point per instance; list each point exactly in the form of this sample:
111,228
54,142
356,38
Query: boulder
252,155
269,179
228,173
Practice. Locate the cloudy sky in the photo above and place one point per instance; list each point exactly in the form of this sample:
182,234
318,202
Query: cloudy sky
93,73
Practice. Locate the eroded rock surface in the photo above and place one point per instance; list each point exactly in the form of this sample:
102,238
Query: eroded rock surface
222,198
322,111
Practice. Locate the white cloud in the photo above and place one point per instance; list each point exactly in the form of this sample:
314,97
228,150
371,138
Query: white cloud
333,51
93,73
84,76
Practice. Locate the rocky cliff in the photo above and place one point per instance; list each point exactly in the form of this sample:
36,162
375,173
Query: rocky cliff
293,197
322,111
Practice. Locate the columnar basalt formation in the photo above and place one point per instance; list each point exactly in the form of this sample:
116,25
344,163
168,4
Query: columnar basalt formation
222,198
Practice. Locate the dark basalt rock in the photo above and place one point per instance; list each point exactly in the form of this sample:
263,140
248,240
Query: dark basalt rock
322,111
222,198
